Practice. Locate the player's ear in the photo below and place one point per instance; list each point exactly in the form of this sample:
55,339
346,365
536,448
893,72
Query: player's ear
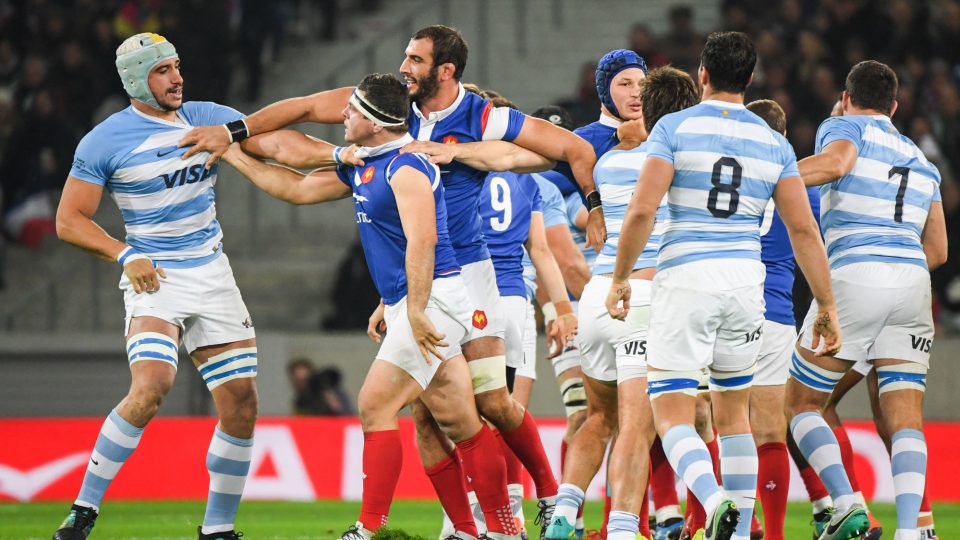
703,76
893,109
446,71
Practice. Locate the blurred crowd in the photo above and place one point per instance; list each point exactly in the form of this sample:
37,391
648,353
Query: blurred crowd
806,48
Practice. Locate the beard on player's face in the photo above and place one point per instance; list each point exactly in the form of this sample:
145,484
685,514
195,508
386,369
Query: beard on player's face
427,86
171,98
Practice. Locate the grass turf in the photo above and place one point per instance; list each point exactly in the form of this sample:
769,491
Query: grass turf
327,519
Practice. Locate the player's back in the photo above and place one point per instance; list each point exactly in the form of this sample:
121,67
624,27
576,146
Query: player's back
876,212
507,201
727,163
167,203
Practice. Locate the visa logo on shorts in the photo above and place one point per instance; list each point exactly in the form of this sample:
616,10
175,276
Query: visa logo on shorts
635,348
920,343
750,337
187,175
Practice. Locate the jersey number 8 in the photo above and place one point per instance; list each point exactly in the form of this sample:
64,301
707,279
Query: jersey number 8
735,170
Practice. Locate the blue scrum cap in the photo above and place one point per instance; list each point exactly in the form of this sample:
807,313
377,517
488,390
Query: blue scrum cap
607,68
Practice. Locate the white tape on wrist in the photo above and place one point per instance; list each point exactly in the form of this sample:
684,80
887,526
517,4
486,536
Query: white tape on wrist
549,313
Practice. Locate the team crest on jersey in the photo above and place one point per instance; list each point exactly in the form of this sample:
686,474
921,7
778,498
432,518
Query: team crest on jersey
450,139
479,319
367,174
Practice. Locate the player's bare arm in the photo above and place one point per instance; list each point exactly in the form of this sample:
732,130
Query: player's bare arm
836,160
376,324
484,155
75,226
794,207
559,144
292,148
654,180
412,191
323,108
934,236
552,280
285,183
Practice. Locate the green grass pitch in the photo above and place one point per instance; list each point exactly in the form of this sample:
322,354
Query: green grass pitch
327,519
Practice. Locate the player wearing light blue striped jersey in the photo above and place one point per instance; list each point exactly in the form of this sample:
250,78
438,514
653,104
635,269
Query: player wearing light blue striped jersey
177,283
883,223
718,164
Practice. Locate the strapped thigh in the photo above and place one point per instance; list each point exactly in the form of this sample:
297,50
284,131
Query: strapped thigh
909,376
673,382
722,381
488,374
574,396
152,346
240,363
813,376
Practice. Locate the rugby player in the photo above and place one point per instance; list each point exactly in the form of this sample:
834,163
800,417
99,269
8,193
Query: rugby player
884,228
718,164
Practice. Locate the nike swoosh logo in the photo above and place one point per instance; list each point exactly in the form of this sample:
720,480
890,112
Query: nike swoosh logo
161,153
95,462
23,485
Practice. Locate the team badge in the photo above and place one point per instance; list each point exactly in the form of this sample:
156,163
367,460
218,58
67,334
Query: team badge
450,139
479,319
367,175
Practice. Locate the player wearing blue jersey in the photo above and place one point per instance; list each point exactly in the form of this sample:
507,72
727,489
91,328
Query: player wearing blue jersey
177,283
427,314
883,224
718,164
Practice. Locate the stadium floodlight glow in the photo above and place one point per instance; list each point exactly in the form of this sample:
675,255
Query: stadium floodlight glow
136,56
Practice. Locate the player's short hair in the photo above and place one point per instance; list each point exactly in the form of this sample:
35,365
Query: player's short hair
666,90
556,115
729,58
872,85
448,46
771,112
386,93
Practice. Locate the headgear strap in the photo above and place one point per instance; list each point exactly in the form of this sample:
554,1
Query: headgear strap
359,100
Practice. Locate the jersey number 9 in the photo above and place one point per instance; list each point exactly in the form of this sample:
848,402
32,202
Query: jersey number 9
500,202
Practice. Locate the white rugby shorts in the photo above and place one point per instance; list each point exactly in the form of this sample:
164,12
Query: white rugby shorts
776,349
693,327
488,319
449,310
203,301
885,311
529,367
613,350
514,310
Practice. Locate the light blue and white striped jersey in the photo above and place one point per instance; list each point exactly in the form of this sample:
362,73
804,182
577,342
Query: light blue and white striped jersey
574,204
167,203
615,175
876,212
727,162
554,213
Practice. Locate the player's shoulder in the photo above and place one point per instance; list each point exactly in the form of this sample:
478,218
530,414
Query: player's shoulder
112,134
208,113
417,161
594,130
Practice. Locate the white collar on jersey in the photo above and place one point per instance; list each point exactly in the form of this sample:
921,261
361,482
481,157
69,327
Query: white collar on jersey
609,121
723,104
436,116
374,151
182,124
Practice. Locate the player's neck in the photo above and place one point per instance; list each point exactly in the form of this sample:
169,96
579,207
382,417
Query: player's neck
853,110
444,98
709,94
169,116
380,139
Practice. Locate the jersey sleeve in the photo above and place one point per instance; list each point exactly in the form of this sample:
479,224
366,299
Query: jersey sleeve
839,128
536,201
574,204
344,173
208,113
554,209
660,142
789,160
417,162
91,161
501,123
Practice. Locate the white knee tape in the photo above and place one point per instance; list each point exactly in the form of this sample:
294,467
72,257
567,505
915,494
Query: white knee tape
488,374
723,381
233,364
152,346
910,376
673,382
813,376
574,396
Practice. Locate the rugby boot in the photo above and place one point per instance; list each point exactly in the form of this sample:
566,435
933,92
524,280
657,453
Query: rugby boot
77,525
723,522
229,535
820,521
875,530
356,532
927,533
558,529
544,519
756,530
851,524
668,529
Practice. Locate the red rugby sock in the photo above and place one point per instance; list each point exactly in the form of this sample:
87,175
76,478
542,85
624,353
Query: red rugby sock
773,483
526,444
448,482
487,475
382,459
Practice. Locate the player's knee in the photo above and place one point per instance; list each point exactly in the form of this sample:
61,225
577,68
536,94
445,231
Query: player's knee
575,421
244,411
145,398
498,407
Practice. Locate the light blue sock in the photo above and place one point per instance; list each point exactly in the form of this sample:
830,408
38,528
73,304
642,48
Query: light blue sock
819,445
738,469
622,525
908,457
689,456
228,462
117,440
569,499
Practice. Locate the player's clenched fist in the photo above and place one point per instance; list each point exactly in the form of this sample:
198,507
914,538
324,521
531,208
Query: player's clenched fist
619,292
143,276
213,139
426,335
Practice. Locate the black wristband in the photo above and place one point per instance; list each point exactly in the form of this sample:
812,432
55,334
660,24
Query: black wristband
238,130
593,200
